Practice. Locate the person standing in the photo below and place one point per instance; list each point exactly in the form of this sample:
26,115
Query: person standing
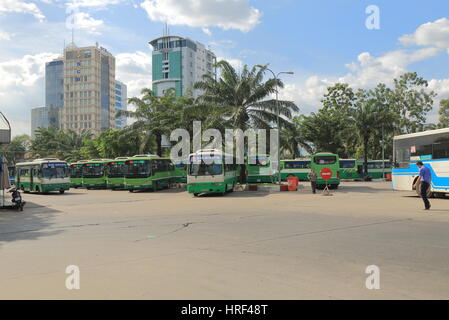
425,178
312,178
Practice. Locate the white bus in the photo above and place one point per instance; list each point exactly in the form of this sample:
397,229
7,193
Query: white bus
432,148
43,175
211,171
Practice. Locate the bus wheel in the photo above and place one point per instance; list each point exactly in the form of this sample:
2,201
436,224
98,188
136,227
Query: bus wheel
196,194
131,190
61,191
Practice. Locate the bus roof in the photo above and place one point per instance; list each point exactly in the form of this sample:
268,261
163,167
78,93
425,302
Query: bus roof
324,154
210,151
297,159
421,134
39,161
97,161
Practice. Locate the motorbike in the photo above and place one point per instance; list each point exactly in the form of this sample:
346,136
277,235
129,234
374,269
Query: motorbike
17,201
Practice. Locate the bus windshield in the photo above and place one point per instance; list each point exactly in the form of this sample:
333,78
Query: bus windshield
75,171
116,170
54,170
347,164
137,169
325,159
205,166
93,170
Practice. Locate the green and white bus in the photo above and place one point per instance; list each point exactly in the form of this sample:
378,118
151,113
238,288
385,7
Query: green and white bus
377,169
43,176
323,160
148,172
350,169
181,172
76,174
261,169
94,174
299,168
211,171
115,173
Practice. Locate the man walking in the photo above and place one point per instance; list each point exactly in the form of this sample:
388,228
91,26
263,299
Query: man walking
312,178
425,178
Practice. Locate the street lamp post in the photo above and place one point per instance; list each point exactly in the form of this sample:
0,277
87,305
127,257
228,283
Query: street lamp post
276,77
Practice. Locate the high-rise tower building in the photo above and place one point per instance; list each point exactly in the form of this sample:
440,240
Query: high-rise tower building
89,89
178,63
121,103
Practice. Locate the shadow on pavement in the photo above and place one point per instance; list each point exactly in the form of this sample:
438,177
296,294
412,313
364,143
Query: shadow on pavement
360,189
27,224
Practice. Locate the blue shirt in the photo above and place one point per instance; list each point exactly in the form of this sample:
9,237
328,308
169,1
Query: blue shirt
425,174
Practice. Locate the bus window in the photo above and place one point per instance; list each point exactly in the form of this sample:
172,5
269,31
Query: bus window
325,159
137,169
93,170
203,169
259,161
441,150
297,165
53,170
347,164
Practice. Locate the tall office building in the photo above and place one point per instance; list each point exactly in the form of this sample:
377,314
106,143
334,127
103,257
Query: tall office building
121,103
54,90
39,119
54,97
89,89
179,63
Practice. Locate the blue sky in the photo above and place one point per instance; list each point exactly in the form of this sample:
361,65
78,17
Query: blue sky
322,41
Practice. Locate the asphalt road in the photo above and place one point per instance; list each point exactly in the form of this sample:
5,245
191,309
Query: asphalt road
245,245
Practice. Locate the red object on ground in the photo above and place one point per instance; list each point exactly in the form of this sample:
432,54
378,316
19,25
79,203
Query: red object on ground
283,187
388,176
292,183
326,174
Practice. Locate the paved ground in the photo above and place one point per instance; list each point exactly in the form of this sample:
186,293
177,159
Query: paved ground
242,246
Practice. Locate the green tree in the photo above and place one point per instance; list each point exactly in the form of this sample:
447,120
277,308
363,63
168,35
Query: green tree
241,100
444,114
411,101
65,145
154,116
16,150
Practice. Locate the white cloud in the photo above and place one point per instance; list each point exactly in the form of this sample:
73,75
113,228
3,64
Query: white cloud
225,14
429,34
19,6
207,31
22,88
134,69
5,36
82,20
99,4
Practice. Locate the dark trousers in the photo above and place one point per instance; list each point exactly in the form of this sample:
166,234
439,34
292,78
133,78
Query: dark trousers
313,184
424,187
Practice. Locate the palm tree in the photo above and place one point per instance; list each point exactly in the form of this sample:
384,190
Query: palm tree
153,114
238,100
239,97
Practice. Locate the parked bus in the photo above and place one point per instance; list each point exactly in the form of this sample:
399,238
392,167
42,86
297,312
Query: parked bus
148,172
432,148
211,171
377,169
260,168
76,174
115,173
323,160
181,172
350,169
43,176
94,173
299,168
